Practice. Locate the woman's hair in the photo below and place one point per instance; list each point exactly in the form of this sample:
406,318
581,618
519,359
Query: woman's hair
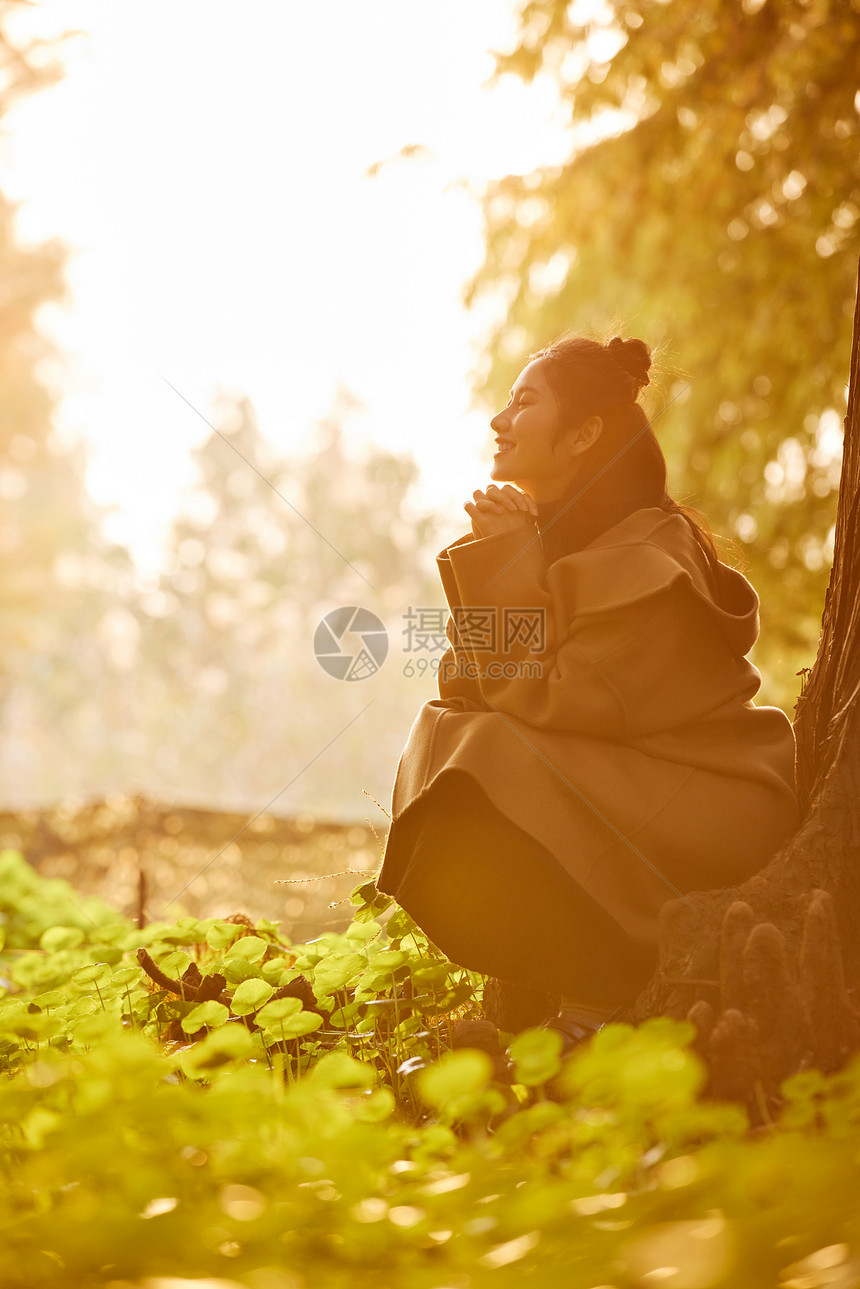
626,467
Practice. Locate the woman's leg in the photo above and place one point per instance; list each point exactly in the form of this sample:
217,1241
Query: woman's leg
496,901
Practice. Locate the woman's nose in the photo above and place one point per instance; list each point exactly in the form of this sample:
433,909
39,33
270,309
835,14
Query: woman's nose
498,420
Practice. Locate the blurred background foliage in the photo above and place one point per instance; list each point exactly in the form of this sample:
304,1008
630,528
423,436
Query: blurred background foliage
58,575
233,698
199,684
710,206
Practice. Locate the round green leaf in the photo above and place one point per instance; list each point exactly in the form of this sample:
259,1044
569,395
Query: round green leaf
250,996
378,1105
54,998
278,971
232,1042
336,970
250,947
210,1014
388,959
302,1023
277,1011
83,1007
111,954
455,1074
338,1070
536,1054
61,937
91,975
175,961
222,934
361,932
235,970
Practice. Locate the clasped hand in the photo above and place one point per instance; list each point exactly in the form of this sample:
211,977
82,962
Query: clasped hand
500,510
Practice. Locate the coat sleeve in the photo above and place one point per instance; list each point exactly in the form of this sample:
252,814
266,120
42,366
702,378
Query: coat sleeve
617,673
527,662
456,675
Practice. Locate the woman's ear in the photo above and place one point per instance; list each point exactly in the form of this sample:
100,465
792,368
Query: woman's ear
585,435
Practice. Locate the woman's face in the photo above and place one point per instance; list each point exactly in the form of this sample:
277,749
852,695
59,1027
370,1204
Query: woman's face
532,452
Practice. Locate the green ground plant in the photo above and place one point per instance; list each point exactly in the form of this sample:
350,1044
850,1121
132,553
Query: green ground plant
203,1102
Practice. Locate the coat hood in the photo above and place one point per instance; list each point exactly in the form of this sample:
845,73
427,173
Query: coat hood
649,551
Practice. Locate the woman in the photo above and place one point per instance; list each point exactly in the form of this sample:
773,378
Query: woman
594,750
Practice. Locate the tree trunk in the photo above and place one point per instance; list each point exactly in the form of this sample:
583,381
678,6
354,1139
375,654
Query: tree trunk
769,971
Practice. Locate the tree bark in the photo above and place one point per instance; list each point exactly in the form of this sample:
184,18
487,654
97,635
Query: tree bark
782,950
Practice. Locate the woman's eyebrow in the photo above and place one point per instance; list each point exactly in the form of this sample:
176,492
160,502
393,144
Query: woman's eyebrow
526,389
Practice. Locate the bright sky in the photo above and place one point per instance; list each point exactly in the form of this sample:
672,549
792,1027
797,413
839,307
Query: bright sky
206,162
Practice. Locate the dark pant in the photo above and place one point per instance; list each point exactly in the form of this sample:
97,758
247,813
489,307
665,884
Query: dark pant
496,901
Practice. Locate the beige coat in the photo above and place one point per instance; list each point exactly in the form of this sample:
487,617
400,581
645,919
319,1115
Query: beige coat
636,756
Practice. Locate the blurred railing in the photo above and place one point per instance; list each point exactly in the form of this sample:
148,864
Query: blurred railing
163,861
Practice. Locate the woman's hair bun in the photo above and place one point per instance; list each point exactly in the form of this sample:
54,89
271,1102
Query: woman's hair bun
633,357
